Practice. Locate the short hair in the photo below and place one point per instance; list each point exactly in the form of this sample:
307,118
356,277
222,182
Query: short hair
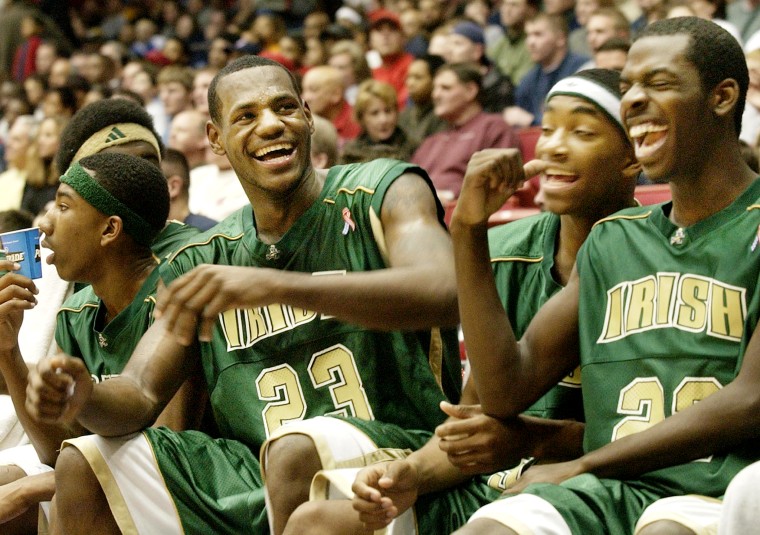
466,72
370,89
434,62
142,188
176,164
12,220
324,139
362,70
176,73
95,117
240,64
715,53
557,23
615,43
619,20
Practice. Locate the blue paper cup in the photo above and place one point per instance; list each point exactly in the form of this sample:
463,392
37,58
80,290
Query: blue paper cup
23,247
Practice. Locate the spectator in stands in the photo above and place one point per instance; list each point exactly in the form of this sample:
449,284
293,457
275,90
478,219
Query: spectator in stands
59,72
604,24
348,57
201,81
386,38
42,171
751,116
376,111
12,181
467,44
322,89
47,53
547,44
418,119
59,101
612,54
324,144
444,156
175,89
219,51
177,172
187,134
510,52
24,58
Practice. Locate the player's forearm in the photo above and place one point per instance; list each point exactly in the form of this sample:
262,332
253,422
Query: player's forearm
31,490
491,345
719,423
406,298
118,407
46,438
434,471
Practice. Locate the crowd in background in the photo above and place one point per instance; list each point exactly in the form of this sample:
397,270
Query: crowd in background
372,68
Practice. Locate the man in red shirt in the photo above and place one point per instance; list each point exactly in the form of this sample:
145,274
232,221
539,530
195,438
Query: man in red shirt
387,39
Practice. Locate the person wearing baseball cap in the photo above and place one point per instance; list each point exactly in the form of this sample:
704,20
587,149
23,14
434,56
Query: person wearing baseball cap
387,39
467,44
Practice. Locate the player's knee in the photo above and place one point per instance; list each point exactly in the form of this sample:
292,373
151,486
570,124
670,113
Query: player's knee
484,526
665,527
292,458
307,519
72,471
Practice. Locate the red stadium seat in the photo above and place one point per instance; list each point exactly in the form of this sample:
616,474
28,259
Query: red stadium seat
652,193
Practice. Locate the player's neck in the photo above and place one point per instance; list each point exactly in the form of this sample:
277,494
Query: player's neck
276,215
118,287
573,231
718,185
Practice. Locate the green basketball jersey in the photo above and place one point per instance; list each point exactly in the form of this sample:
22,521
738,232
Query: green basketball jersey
522,257
666,315
105,350
271,365
174,235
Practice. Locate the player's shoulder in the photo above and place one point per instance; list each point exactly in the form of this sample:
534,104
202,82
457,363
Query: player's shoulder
80,301
628,216
228,231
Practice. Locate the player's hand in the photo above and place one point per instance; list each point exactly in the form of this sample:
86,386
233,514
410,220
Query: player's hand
57,389
492,177
479,444
17,293
546,473
383,491
192,302
18,496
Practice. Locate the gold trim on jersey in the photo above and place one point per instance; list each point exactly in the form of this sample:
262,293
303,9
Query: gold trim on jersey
526,259
379,233
753,207
80,309
353,191
328,201
625,217
210,238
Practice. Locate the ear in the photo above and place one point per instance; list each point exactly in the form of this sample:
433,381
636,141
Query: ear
472,91
724,97
214,136
174,182
309,116
112,229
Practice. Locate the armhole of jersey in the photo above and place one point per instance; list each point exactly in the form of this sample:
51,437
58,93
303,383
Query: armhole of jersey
379,233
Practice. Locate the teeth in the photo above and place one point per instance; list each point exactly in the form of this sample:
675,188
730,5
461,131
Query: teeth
643,129
280,146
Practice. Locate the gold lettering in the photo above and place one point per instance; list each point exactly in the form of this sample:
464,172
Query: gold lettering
640,313
613,327
666,283
692,310
726,312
